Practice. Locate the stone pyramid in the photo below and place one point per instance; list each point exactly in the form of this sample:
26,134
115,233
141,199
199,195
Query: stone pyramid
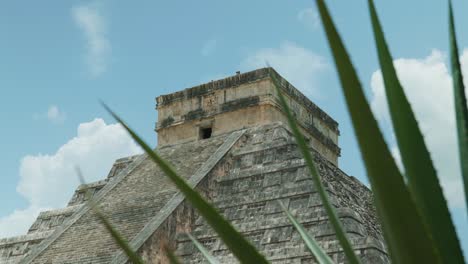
229,139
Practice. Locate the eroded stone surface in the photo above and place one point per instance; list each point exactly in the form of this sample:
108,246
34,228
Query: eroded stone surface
267,169
249,164
13,249
129,206
242,101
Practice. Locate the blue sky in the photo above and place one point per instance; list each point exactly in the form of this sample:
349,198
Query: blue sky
60,58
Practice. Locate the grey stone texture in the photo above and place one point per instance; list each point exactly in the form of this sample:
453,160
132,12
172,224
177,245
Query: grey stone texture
262,171
13,249
244,173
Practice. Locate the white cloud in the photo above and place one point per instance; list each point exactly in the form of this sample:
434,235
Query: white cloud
298,65
309,17
209,47
49,180
428,86
93,25
53,114
18,222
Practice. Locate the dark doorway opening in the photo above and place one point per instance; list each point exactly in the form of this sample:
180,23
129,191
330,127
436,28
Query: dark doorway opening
205,132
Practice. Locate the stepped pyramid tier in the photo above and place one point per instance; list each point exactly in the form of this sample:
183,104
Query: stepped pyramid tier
229,139
13,249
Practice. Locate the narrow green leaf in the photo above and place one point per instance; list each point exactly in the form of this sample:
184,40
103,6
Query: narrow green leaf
171,256
461,111
340,234
403,227
422,178
238,245
203,250
310,242
121,242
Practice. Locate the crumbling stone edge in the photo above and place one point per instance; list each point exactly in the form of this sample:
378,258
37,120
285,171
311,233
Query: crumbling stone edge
62,228
25,238
178,198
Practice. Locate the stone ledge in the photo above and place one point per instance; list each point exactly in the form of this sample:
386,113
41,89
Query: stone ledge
314,132
228,82
25,238
62,211
244,78
240,103
95,184
127,159
166,146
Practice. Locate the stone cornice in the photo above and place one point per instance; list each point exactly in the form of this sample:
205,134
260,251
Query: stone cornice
244,78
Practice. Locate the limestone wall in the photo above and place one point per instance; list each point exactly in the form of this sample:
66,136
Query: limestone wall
241,101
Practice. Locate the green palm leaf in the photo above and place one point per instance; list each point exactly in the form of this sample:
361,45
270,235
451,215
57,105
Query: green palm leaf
310,242
461,111
340,234
403,227
422,178
203,250
238,245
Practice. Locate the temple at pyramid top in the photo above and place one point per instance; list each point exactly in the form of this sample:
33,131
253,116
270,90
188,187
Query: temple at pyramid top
229,140
241,101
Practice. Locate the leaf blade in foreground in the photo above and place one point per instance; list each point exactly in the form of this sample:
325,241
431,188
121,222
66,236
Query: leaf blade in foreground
239,246
461,110
203,250
422,177
340,234
403,228
310,242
